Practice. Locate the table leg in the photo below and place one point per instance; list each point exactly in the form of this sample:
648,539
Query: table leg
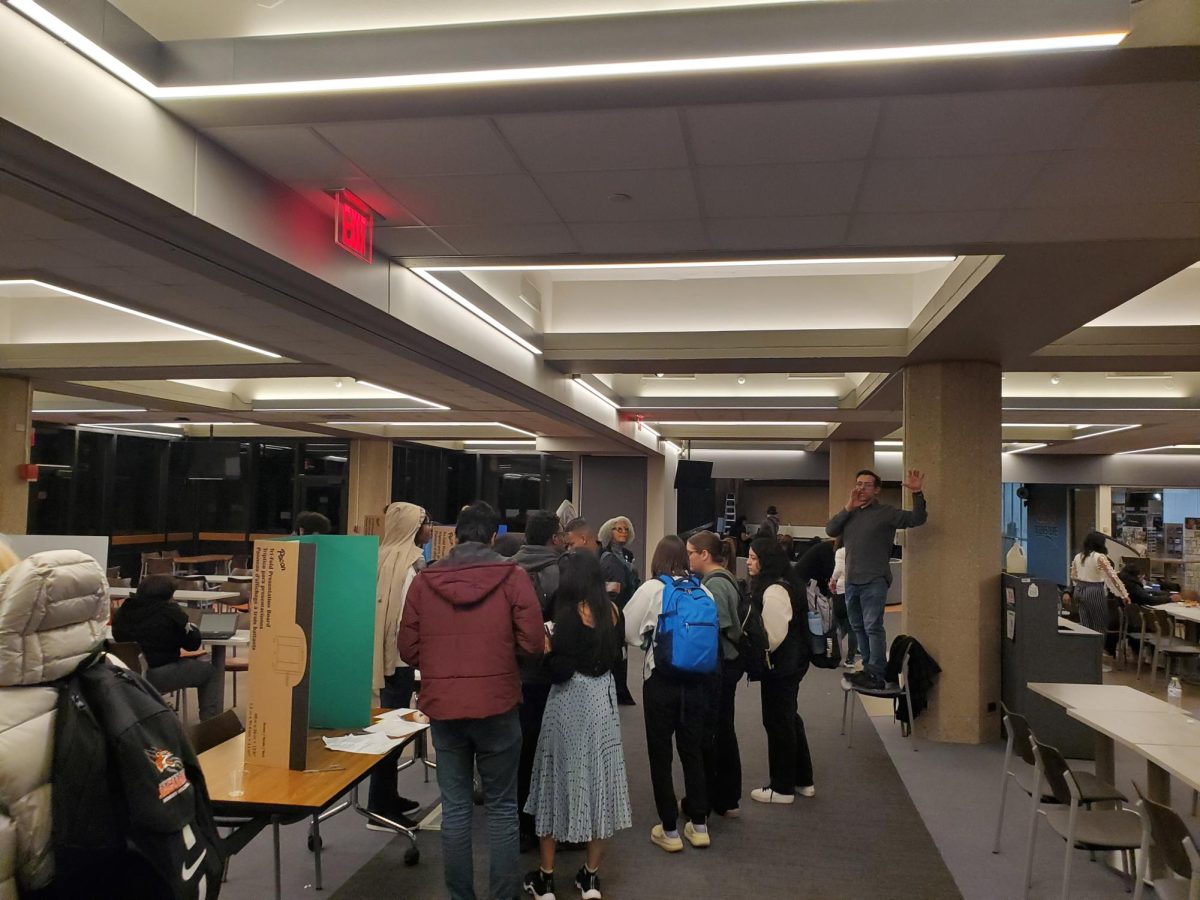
1105,764
316,830
278,879
1158,789
216,656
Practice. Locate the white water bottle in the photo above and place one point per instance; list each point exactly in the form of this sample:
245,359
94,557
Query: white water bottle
1174,691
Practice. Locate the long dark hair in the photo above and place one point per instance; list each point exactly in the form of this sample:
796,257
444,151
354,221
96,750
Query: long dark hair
580,581
1095,543
773,567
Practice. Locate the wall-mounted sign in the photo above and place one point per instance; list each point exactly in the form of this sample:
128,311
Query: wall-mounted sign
353,225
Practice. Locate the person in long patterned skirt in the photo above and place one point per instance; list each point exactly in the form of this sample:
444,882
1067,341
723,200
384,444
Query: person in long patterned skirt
579,791
1093,576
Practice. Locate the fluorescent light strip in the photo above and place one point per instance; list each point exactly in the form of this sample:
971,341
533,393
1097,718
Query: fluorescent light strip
889,443
701,264
706,406
1030,447
1099,409
107,409
534,74
442,425
393,393
678,450
480,442
1166,447
1119,376
738,423
595,392
333,409
1039,425
119,430
1113,430
133,312
476,311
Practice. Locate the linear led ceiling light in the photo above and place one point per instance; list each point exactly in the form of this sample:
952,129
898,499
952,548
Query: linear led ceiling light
107,409
678,450
699,264
122,430
739,423
490,443
1166,447
1028,447
535,74
392,393
889,443
1110,430
474,310
208,335
704,406
434,425
595,391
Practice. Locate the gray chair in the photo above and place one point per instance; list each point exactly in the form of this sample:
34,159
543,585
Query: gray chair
1175,844
1168,646
1020,763
1087,829
889,691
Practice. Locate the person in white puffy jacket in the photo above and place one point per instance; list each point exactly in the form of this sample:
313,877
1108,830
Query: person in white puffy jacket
53,611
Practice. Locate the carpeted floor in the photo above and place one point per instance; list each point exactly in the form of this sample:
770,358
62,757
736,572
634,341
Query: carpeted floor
860,836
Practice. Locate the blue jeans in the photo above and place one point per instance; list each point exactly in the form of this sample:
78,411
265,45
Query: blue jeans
494,746
864,605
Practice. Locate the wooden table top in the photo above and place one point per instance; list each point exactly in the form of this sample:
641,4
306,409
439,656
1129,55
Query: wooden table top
1133,728
1182,762
330,774
121,593
204,558
1099,696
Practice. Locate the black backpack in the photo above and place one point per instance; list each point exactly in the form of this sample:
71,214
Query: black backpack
753,647
131,817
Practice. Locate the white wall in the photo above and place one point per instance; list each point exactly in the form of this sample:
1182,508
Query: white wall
1136,469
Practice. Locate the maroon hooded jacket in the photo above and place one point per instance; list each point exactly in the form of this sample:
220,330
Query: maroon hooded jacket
465,620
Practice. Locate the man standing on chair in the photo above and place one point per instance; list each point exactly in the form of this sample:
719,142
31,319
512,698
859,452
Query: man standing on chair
465,621
868,531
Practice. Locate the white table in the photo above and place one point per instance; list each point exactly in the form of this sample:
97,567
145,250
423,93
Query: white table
1179,611
121,593
1098,696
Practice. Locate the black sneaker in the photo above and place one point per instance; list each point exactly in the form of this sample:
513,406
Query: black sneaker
540,885
406,805
588,884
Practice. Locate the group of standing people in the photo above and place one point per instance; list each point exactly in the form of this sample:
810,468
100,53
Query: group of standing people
524,664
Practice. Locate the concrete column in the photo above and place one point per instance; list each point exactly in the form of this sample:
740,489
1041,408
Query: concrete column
952,563
370,484
845,459
16,402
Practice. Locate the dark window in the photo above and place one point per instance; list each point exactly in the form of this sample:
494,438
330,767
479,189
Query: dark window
136,485
276,471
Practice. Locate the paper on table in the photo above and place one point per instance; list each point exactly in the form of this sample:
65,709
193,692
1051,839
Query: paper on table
394,714
375,744
396,728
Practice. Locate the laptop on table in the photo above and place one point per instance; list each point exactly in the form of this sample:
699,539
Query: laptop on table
218,626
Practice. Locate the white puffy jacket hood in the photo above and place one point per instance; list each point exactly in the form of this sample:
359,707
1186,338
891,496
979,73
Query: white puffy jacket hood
53,609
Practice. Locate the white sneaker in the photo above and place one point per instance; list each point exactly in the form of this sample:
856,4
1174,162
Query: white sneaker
852,664
806,790
766,795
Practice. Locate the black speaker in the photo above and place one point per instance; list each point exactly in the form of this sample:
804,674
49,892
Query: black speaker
693,473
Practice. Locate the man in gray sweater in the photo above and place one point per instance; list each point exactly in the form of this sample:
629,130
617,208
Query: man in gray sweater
868,530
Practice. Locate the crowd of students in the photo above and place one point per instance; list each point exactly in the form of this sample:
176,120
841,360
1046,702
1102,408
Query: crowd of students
523,664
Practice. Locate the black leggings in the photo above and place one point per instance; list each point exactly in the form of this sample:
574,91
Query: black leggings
788,757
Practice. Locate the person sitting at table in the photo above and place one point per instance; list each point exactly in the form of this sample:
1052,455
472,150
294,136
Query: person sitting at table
1139,592
169,642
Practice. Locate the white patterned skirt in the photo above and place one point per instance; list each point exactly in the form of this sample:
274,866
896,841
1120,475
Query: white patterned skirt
579,791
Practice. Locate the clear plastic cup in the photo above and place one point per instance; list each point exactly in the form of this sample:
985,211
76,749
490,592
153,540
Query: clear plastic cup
237,782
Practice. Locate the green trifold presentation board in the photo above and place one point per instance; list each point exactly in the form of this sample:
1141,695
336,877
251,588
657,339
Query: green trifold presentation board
343,630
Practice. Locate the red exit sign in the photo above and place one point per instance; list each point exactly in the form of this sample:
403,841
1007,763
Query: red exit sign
353,225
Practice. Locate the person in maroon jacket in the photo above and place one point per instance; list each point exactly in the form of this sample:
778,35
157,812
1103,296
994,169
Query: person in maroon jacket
466,619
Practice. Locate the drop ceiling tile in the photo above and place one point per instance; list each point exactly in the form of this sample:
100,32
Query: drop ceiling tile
641,237
950,183
599,140
1144,221
1103,177
421,146
510,240
285,152
1144,117
656,195
982,123
764,191
409,242
762,133
782,233
901,229
472,199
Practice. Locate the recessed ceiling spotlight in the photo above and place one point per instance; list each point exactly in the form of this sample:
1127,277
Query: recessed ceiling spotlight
1055,379
658,374
741,379
337,382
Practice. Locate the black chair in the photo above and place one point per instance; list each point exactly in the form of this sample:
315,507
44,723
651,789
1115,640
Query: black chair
1177,846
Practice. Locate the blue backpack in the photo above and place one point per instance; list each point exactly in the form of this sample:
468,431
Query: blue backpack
686,639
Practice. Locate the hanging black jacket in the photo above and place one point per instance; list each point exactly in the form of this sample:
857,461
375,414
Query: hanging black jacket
923,671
